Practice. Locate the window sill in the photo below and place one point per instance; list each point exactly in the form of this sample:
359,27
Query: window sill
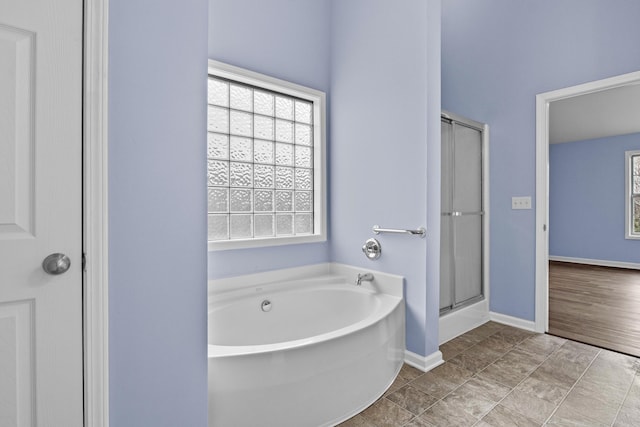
224,245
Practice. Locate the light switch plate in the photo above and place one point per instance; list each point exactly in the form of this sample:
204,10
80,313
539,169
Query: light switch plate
521,202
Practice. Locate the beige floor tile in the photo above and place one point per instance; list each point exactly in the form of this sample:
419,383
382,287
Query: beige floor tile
575,355
455,346
524,356
500,373
633,397
396,385
530,406
496,344
488,329
444,414
476,358
563,371
469,401
567,417
552,393
606,391
608,370
582,348
484,387
412,399
629,416
501,416
483,331
542,368
592,404
357,421
512,336
409,373
418,422
549,375
454,373
449,351
434,385
441,380
542,344
618,359
475,337
573,368
384,413
512,368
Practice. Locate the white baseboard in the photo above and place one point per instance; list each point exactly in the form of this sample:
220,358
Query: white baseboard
463,320
424,363
603,263
516,322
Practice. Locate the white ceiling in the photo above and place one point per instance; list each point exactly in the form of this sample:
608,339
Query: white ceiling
600,114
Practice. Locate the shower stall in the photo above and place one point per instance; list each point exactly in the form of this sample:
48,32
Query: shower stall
463,221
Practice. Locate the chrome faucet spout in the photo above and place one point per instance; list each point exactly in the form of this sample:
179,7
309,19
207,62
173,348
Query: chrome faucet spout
368,277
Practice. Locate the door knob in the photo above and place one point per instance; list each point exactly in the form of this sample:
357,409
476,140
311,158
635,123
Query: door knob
56,264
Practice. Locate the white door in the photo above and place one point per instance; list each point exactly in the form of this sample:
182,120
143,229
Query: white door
40,212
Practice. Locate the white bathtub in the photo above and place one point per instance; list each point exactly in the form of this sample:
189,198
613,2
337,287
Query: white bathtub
326,350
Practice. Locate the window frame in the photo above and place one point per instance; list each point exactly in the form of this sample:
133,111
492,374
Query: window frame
318,98
628,178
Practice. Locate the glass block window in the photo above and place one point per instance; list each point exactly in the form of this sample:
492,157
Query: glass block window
261,152
633,195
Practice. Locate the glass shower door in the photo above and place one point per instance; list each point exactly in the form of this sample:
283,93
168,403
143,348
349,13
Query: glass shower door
461,257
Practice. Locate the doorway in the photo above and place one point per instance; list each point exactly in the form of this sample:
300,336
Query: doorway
549,105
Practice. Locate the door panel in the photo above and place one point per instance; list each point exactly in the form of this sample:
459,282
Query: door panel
17,163
446,152
467,149
446,263
468,257
40,212
16,367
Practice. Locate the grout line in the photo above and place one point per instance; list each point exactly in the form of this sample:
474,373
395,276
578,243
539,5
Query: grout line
409,383
523,380
635,377
572,387
475,373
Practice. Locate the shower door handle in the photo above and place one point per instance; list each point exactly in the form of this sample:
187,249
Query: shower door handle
458,213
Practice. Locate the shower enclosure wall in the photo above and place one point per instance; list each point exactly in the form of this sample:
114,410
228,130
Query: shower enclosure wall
461,243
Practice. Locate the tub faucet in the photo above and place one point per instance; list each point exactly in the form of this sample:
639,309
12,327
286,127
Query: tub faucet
366,276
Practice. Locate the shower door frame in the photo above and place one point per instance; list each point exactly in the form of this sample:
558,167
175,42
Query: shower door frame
484,214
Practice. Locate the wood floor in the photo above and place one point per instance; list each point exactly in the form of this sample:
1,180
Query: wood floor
595,305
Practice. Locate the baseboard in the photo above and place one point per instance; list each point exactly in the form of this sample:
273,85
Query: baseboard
600,262
463,320
424,363
516,322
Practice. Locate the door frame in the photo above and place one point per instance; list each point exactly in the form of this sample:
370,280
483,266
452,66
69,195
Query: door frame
95,214
543,101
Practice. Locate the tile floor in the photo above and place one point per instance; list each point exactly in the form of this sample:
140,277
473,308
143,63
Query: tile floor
496,375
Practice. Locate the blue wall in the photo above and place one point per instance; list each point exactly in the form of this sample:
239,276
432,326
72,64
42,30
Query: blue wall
385,116
157,226
496,56
286,39
587,199
379,62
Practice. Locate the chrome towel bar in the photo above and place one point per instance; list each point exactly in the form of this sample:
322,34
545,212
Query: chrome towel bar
418,232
